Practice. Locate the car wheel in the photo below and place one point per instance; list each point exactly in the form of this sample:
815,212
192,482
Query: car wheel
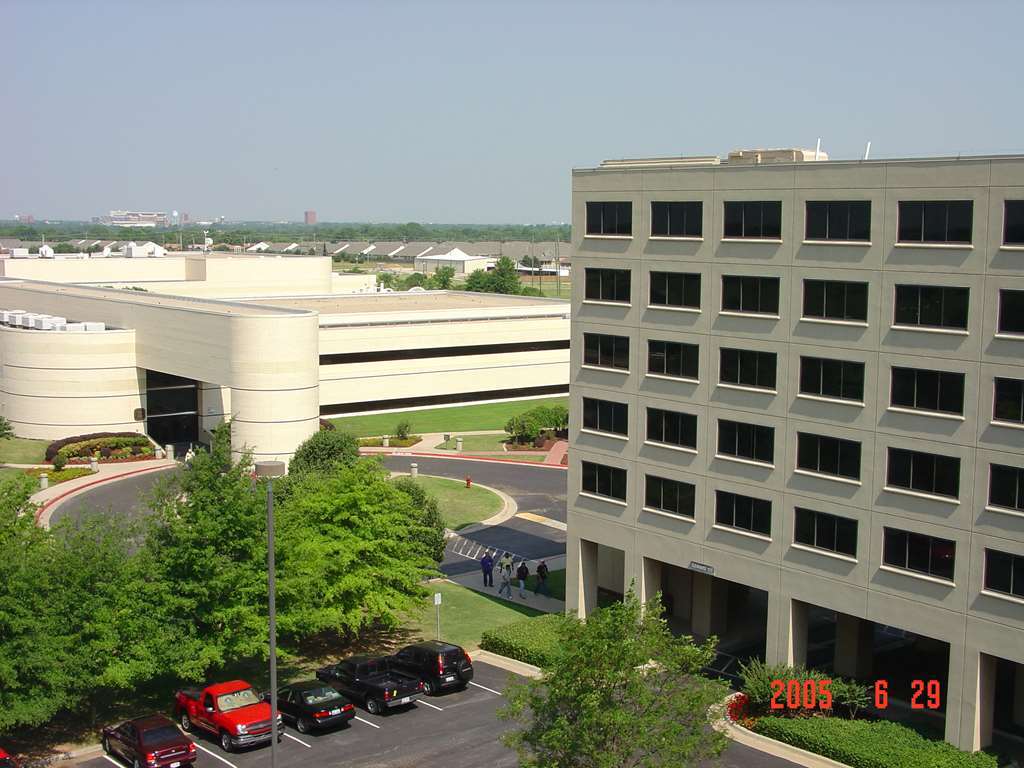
186,722
429,688
225,741
303,725
136,763
373,706
106,745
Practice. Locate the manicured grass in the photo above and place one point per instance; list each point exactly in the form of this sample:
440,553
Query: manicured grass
459,418
477,443
556,582
68,473
20,450
394,442
466,614
461,506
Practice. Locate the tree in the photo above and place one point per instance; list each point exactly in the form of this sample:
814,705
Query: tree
415,280
625,693
325,451
387,279
432,534
479,281
443,277
6,430
504,277
530,261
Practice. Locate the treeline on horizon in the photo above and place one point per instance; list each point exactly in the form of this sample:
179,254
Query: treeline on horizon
253,232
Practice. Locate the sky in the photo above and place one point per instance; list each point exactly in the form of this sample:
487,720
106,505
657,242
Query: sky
458,111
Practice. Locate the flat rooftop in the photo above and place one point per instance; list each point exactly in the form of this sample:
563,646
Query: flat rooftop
344,304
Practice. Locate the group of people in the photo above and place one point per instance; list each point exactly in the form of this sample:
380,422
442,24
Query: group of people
506,571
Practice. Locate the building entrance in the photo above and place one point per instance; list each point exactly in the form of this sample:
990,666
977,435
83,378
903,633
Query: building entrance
172,409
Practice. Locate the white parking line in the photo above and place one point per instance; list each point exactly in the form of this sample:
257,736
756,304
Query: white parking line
214,754
307,746
372,725
496,693
432,706
112,760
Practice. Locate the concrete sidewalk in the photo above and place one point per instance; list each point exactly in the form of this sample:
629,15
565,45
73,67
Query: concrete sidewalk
474,580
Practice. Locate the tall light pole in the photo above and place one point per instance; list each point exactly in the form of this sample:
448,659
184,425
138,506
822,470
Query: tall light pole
270,470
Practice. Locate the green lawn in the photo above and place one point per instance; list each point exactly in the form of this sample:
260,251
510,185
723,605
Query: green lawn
461,506
477,443
20,450
465,614
556,583
460,418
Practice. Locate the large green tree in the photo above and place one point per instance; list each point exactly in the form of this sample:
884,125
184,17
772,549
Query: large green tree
443,277
325,451
625,693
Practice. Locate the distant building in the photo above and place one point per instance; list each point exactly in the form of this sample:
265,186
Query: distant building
25,218
185,218
135,219
310,217
457,259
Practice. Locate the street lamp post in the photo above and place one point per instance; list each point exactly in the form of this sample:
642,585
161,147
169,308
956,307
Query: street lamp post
270,470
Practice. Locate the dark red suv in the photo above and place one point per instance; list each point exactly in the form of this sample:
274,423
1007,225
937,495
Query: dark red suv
149,742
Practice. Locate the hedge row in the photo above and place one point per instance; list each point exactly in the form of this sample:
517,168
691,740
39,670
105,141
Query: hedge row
533,641
869,743
56,445
106,446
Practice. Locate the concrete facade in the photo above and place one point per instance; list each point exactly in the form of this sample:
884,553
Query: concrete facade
977,624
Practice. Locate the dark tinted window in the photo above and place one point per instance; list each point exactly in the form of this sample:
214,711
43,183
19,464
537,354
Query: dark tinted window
833,300
675,289
755,219
671,358
747,368
824,531
610,218
838,220
606,351
604,481
924,472
917,552
161,734
1013,222
677,219
1009,405
745,512
750,294
941,391
832,378
931,305
672,427
1006,487
607,284
746,441
1011,311
669,495
1004,572
935,221
828,455
605,416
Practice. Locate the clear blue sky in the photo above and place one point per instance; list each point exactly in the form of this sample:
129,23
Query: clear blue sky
468,112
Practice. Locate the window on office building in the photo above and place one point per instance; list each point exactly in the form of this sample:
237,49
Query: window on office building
672,428
1009,405
824,377
932,306
744,367
670,495
610,218
824,531
604,481
605,416
744,512
939,391
607,285
744,440
758,295
834,300
675,289
761,219
1013,222
846,220
1006,487
672,358
935,221
929,555
604,351
924,472
677,219
828,455
1011,311
1004,572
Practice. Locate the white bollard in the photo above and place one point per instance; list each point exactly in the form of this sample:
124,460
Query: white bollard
94,465
386,441
458,445
169,449
414,470
44,482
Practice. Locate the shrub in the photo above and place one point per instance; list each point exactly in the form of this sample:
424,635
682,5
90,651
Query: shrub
849,696
56,445
757,680
59,461
869,743
402,429
327,425
325,451
534,641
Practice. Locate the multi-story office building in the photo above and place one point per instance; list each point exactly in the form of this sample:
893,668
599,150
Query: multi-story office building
798,413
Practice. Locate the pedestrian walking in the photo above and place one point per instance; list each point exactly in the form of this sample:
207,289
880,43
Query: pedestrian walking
505,564
522,573
506,582
487,566
542,579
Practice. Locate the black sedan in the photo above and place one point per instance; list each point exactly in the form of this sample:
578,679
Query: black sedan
313,705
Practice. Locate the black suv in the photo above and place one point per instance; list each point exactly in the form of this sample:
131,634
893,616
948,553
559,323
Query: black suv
438,665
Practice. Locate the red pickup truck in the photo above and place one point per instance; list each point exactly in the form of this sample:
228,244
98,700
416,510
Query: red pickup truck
6,761
233,712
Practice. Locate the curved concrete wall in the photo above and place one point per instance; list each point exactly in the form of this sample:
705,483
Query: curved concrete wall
57,384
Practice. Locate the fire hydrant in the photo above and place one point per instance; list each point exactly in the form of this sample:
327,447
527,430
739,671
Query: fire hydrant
469,481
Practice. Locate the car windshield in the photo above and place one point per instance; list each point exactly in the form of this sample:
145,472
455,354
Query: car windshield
317,696
160,734
228,701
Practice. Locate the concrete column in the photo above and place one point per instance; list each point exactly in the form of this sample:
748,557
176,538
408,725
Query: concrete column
1018,695
961,696
853,651
710,605
777,638
650,579
977,703
586,578
796,634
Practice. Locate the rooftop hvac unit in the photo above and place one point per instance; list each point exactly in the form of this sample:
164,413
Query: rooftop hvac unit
75,327
94,326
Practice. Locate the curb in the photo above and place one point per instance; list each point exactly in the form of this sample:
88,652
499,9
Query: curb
509,665
47,507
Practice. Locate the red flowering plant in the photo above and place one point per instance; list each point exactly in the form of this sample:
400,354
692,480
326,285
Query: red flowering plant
737,710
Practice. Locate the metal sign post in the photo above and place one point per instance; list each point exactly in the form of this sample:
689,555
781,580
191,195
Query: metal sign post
437,607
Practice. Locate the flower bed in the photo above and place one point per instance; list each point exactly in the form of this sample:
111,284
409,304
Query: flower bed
393,442
104,446
59,475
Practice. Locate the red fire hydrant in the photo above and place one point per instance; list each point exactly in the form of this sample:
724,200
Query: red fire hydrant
469,481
